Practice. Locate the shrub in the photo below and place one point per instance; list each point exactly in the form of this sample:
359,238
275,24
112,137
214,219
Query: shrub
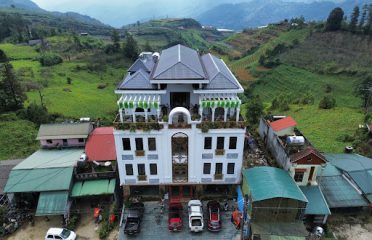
205,128
102,86
50,59
73,222
69,80
327,102
35,113
345,138
105,229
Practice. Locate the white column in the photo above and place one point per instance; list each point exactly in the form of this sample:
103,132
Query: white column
146,117
158,113
134,114
213,110
121,115
237,114
225,114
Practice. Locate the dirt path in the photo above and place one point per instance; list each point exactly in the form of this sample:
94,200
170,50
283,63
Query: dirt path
356,226
88,230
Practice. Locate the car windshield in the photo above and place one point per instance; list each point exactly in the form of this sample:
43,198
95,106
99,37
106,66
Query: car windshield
196,222
65,233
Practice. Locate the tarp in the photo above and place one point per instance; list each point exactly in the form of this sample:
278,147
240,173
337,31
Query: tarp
39,180
240,199
52,203
93,187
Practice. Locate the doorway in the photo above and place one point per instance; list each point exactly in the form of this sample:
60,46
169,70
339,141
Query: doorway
179,193
180,148
180,99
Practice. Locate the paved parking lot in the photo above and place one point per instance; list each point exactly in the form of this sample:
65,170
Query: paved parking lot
150,229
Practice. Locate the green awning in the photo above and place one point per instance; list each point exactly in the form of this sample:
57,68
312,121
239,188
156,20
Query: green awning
93,187
227,103
52,203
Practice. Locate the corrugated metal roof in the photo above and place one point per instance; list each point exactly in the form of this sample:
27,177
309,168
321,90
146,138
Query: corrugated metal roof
349,162
283,123
53,158
269,182
64,131
179,62
101,145
363,179
137,80
52,203
93,187
39,180
317,204
340,193
146,64
329,171
219,75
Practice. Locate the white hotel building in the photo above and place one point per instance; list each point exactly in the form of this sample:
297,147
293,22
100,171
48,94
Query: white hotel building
179,127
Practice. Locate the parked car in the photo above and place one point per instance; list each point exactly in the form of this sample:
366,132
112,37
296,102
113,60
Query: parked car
175,217
134,218
60,233
214,218
196,221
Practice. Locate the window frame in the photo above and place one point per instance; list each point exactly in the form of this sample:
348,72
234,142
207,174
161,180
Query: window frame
150,139
204,168
209,140
229,168
217,168
218,145
139,144
129,145
299,176
139,167
130,166
232,142
152,168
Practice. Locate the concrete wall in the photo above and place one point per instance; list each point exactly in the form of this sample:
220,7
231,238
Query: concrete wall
273,144
73,142
305,180
196,158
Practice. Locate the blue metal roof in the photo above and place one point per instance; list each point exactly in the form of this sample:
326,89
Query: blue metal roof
269,182
349,162
317,204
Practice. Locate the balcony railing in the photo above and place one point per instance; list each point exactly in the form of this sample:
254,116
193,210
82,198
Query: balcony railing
95,175
142,177
218,176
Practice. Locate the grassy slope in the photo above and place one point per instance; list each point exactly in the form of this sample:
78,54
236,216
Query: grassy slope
321,127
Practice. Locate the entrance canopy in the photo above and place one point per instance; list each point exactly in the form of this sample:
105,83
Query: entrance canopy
52,203
93,187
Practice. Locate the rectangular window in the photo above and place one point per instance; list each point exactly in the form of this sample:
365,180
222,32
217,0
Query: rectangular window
208,143
299,175
153,169
126,144
152,144
207,168
129,169
81,140
218,168
49,141
141,169
64,141
220,142
232,143
230,168
139,144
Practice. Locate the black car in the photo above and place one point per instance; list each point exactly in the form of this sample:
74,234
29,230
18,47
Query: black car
134,218
214,217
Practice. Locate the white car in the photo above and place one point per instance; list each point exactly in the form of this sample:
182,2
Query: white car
196,221
60,233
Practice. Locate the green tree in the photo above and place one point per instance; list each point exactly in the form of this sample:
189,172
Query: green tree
254,110
363,17
327,102
368,26
364,90
115,38
3,57
334,20
354,19
130,48
148,47
36,114
11,92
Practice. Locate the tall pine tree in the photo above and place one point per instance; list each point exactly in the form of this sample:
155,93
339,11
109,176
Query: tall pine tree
11,92
354,19
368,26
363,17
334,20
115,38
130,48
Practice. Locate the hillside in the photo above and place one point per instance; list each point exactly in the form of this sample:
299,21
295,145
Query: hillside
260,13
165,32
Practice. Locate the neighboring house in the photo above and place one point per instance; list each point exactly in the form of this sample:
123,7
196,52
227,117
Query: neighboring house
44,179
277,205
338,190
96,174
179,127
356,168
62,135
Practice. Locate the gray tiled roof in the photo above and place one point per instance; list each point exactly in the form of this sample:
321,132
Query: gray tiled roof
179,62
137,80
146,63
220,76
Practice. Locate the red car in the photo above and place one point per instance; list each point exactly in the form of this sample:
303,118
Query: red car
214,218
175,222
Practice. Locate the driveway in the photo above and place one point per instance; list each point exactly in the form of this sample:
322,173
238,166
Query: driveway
152,230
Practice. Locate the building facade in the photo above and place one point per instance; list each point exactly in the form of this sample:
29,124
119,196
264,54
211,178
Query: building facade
179,127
